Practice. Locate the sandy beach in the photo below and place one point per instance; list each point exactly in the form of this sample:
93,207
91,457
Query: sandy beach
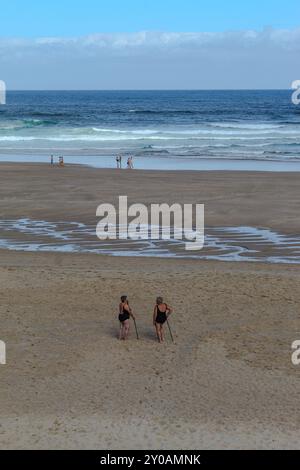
73,193
226,382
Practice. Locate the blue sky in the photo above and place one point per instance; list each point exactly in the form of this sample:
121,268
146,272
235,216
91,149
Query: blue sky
149,44
73,17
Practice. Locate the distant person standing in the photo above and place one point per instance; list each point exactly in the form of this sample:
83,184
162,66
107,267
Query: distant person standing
160,315
51,160
119,161
125,312
130,163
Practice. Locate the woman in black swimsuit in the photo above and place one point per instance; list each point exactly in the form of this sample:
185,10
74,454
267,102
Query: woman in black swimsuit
160,316
125,313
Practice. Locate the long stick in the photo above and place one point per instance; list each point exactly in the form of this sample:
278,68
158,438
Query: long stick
137,335
170,330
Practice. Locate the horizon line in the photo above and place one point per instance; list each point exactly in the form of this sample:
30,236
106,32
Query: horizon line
146,89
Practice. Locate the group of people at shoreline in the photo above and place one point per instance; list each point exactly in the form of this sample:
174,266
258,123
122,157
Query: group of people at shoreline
118,161
59,163
129,162
161,313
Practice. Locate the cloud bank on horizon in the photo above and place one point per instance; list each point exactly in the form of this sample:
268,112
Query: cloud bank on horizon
153,60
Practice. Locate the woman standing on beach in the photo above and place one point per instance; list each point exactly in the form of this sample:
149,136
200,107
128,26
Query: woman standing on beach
125,312
160,316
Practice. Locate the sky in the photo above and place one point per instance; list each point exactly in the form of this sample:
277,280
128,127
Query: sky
149,44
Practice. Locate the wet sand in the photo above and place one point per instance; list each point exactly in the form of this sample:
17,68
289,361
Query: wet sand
73,193
226,382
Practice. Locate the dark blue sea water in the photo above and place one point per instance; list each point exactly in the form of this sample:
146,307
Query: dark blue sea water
255,125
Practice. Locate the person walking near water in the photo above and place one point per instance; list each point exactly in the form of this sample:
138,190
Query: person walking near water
125,312
119,161
130,163
160,315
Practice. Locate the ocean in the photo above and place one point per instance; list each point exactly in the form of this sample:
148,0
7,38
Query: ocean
211,125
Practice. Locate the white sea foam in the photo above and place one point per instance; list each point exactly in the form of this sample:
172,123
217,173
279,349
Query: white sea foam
283,138
210,139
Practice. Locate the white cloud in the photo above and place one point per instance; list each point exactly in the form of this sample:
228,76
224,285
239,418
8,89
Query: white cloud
277,38
153,59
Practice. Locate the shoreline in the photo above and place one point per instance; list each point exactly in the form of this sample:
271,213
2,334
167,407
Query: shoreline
153,162
157,171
